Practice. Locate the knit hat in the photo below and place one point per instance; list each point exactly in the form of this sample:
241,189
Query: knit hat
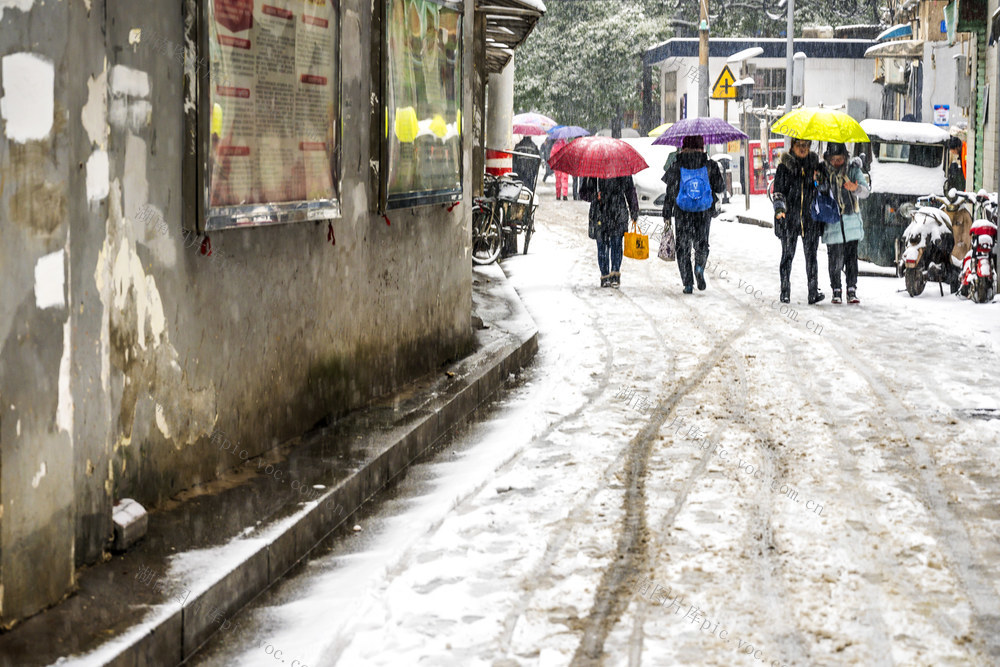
694,142
835,148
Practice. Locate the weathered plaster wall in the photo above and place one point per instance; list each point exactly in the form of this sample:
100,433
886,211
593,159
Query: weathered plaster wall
116,392
36,190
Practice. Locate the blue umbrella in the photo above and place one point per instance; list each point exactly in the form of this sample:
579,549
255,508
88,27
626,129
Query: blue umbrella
567,132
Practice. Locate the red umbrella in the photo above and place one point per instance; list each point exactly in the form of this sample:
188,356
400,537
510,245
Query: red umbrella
598,157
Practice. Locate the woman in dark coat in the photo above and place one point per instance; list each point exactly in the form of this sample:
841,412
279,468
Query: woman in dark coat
613,202
795,182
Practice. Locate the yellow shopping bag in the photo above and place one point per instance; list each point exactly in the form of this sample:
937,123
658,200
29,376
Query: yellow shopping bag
636,244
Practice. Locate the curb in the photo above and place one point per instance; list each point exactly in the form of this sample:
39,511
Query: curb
169,635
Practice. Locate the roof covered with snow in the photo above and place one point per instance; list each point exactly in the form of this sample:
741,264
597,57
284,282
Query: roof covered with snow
508,24
687,47
901,131
906,179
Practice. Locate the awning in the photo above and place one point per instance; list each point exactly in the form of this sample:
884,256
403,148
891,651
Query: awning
907,48
508,24
901,30
995,28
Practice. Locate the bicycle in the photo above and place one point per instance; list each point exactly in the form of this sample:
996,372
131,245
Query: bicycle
506,208
487,229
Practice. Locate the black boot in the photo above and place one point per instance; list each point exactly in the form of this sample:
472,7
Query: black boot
816,297
786,292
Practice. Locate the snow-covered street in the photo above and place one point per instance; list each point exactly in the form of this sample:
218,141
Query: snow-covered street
706,479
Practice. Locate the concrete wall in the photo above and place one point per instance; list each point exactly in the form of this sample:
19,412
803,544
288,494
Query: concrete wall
939,81
112,386
831,81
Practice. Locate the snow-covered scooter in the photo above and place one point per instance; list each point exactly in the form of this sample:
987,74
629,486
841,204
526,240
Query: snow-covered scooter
928,243
979,271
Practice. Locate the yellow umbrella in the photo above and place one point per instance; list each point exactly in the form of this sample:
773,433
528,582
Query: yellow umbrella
819,124
657,131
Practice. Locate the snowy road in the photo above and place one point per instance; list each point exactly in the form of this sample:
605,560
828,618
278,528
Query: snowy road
683,480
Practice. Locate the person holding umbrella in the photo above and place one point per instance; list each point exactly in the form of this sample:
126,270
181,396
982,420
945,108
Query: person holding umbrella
613,202
562,178
693,186
795,183
606,165
849,184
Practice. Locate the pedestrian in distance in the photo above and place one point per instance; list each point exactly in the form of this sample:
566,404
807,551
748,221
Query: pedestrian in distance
956,175
562,178
795,183
546,154
694,183
525,167
848,184
613,202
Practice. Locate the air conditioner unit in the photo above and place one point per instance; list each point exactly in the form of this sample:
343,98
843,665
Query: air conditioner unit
895,71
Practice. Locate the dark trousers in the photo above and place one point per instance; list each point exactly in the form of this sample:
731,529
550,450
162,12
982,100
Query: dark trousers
843,257
610,247
692,234
576,188
810,245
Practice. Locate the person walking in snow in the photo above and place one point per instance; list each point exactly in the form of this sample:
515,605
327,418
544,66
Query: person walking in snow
613,202
562,178
795,182
693,186
848,184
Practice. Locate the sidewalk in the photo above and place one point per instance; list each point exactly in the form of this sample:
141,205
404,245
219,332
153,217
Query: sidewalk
761,213
213,548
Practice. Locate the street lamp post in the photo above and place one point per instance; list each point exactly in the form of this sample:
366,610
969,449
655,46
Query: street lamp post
789,63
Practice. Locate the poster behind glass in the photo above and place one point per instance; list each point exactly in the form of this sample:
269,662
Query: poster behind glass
274,96
423,102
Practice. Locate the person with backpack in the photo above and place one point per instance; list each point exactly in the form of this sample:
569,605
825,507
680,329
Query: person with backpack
848,184
694,183
795,184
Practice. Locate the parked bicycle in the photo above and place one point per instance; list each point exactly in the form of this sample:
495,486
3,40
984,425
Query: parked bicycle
506,208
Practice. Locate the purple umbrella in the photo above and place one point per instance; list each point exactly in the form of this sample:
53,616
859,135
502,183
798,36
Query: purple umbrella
567,132
713,130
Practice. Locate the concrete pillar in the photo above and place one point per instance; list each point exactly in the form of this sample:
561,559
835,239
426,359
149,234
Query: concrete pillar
500,120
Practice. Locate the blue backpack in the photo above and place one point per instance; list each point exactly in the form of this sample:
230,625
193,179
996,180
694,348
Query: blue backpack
695,193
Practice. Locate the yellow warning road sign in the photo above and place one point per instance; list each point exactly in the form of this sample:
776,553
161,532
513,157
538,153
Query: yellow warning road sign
724,88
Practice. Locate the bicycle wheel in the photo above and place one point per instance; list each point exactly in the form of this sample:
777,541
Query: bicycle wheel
487,235
528,231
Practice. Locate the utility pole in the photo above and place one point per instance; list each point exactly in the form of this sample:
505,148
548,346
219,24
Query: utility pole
789,61
703,81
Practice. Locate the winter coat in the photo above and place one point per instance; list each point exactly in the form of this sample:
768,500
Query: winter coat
794,188
672,177
526,168
850,227
956,179
616,205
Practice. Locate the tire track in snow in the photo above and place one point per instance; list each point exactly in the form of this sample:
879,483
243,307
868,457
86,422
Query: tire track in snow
612,598
759,530
574,517
953,536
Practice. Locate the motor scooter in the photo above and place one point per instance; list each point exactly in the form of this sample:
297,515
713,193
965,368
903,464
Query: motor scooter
927,251
979,272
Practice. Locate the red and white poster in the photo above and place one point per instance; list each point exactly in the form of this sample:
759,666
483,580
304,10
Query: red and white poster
274,102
